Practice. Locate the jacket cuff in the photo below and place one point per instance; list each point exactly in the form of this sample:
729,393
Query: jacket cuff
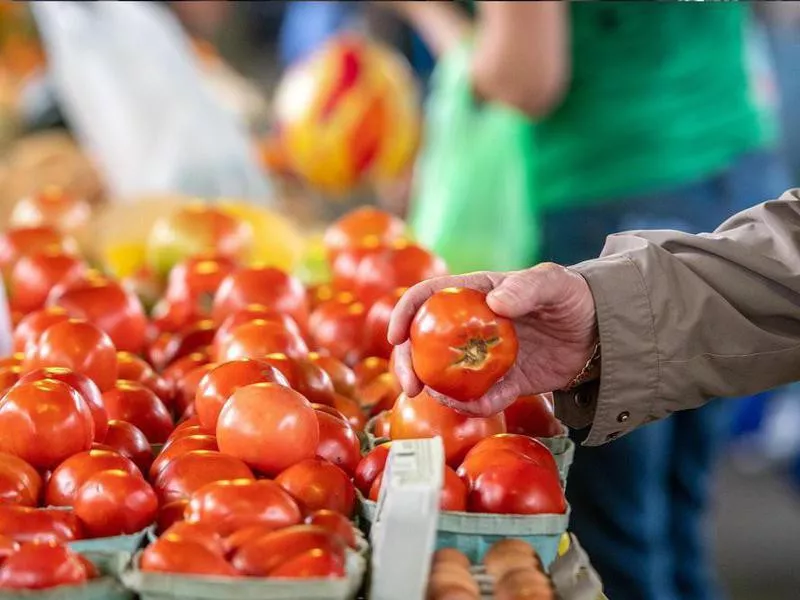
629,375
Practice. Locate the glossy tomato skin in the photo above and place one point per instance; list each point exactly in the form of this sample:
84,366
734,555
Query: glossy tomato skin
195,280
305,377
181,556
25,524
190,338
259,338
459,347
342,376
267,286
85,387
344,267
35,274
317,484
169,514
113,503
128,440
351,411
70,475
382,427
336,523
364,227
41,565
20,483
268,426
369,368
133,402
31,327
218,384
188,472
7,547
181,445
376,325
19,241
496,446
79,346
244,536
533,415
44,422
134,368
454,492
370,467
379,395
337,326
423,417
186,387
9,376
518,487
204,533
338,442
233,505
313,564
252,312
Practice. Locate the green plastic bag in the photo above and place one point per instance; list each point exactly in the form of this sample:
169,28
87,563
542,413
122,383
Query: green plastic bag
472,200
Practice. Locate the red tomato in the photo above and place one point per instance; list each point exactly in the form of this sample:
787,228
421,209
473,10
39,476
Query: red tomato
79,346
401,265
370,467
304,377
369,368
517,487
365,227
342,376
41,565
9,376
15,360
533,416
204,533
318,484
454,492
182,366
382,427
459,347
54,207
169,514
179,556
376,326
313,564
19,482
31,327
135,368
338,443
232,505
132,402
71,474
424,417
169,317
19,241
191,338
269,426
128,440
337,326
91,570
267,286
260,557
186,387
25,524
319,293
252,312
34,275
44,422
177,446
7,547
496,447
257,339
344,268
336,523
244,536
196,280
109,306
113,503
351,411
85,387
380,394
190,426
218,384
188,472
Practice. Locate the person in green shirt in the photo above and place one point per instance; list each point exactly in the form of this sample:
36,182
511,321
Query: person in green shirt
649,115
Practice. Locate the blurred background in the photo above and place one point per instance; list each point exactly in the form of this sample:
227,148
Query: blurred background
327,105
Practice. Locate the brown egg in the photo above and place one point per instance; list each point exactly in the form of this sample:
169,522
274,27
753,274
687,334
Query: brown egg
454,593
511,545
450,567
524,584
498,564
451,577
451,555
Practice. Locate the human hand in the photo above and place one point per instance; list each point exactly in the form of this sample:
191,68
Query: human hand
554,316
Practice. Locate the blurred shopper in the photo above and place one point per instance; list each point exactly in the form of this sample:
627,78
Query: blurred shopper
649,115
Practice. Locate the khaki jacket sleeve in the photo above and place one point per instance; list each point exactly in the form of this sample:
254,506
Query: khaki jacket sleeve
686,318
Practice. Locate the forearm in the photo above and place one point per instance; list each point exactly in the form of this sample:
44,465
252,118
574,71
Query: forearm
685,318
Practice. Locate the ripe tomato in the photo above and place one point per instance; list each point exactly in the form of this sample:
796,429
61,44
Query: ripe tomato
25,524
170,347
304,377
218,384
376,326
132,402
454,492
459,347
135,368
114,502
370,467
344,267
244,536
382,426
44,422
188,472
268,426
186,387
351,411
7,547
109,306
35,274
196,280
20,483
9,376
31,327
338,443
401,265
204,533
85,387
342,376
336,523
337,326
517,487
260,557
369,368
71,474
267,286
313,564
19,241
79,346
365,227
129,441
169,514
318,484
41,565
180,556
533,416
232,505
423,417
495,448
257,339
319,293
181,445
54,207
190,426
252,312
379,395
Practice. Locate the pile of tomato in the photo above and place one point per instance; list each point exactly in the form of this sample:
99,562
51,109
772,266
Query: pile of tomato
253,388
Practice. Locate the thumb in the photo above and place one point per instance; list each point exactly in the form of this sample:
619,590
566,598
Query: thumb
525,291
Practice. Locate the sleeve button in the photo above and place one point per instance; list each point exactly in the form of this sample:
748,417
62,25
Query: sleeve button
581,399
623,416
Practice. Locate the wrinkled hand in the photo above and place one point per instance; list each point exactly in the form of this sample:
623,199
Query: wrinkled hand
554,317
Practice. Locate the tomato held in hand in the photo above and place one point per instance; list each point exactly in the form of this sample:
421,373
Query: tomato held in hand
31,327
533,416
180,556
336,523
41,565
130,442
338,443
44,422
342,376
318,484
268,426
25,524
376,326
259,338
178,446
20,483
337,326
459,347
423,417
518,487
218,384
233,505
79,346
188,472
370,467
34,276
71,474
113,503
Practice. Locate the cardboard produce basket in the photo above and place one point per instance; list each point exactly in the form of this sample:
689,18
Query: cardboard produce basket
119,543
